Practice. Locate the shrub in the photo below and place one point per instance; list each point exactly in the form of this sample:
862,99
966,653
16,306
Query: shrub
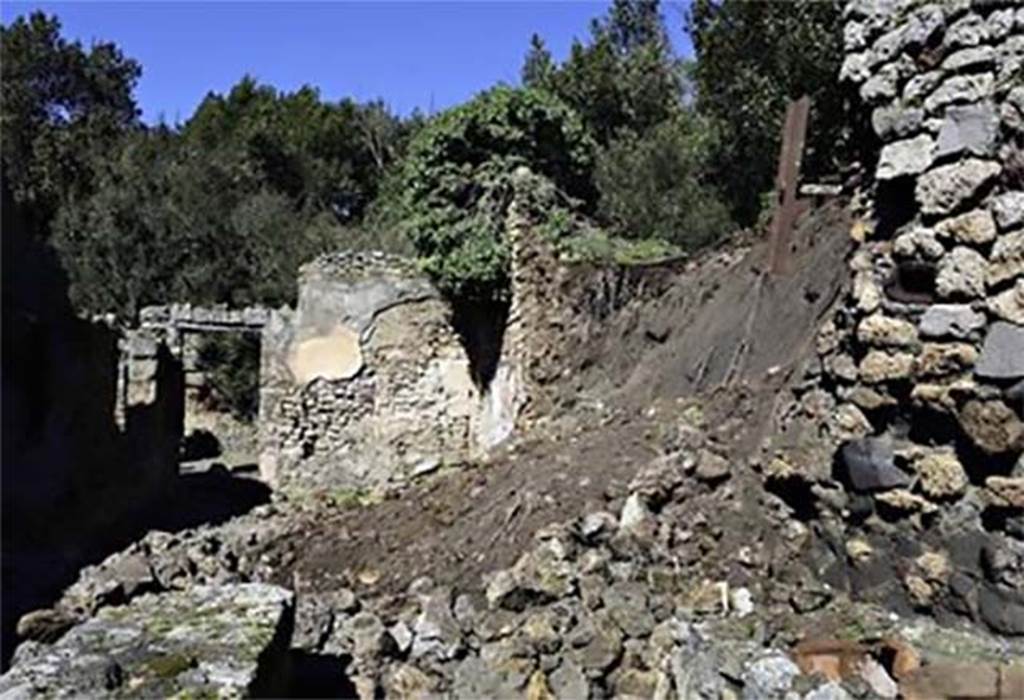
452,191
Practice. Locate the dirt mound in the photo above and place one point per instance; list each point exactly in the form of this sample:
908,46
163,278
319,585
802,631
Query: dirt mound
727,319
711,353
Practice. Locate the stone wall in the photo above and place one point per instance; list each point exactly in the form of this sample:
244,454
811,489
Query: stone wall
919,381
150,409
366,381
89,431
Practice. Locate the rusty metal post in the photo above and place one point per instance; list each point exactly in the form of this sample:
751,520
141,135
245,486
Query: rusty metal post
788,208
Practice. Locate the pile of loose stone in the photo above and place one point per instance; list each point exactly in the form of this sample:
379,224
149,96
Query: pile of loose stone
661,600
692,583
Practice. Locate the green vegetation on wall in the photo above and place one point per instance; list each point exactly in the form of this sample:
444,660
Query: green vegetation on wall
452,191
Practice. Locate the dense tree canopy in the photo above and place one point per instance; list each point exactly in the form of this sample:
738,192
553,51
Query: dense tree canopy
652,185
752,58
63,108
633,153
654,151
225,206
625,78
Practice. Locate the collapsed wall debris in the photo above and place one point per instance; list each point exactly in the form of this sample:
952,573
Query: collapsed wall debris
894,475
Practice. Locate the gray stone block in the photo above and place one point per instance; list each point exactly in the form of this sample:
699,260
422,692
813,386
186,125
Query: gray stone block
950,321
1002,355
906,157
868,465
969,129
944,189
1008,209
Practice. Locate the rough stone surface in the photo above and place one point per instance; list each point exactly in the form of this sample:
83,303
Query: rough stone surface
946,188
771,676
942,359
885,331
1008,209
950,321
973,228
1008,305
942,475
971,129
907,157
1007,258
878,366
896,120
961,274
1006,491
960,89
225,641
993,426
869,465
918,242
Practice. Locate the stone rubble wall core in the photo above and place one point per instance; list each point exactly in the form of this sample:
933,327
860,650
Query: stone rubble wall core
918,387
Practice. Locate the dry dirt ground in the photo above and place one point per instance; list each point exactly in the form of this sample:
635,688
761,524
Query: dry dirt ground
714,352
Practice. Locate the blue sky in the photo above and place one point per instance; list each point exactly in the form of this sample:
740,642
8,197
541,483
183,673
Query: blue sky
411,54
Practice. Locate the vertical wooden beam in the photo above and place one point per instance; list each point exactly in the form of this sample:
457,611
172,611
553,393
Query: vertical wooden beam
788,207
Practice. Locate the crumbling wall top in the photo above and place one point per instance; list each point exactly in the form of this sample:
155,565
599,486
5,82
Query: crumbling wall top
359,265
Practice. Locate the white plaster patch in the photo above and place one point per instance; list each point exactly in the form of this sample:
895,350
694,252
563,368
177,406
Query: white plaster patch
336,355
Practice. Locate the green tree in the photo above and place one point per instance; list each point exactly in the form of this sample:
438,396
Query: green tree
63,106
625,78
752,58
167,223
226,208
451,194
231,364
321,154
653,186
538,66
634,24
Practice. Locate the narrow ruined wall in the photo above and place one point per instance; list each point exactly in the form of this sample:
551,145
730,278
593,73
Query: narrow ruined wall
366,382
909,429
559,311
151,408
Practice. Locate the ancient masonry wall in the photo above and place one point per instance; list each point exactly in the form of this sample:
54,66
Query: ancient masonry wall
149,409
365,382
920,376
91,428
368,383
